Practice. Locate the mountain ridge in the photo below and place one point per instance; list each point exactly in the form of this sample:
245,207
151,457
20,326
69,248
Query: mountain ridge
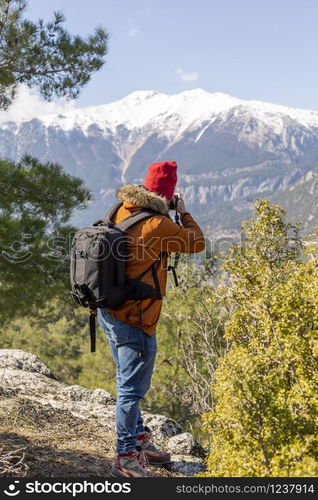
228,150
219,102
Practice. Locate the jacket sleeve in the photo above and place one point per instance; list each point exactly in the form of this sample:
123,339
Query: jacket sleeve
187,238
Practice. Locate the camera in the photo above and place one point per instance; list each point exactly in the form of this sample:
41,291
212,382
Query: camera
173,202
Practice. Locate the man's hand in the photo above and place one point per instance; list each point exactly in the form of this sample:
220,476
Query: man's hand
180,204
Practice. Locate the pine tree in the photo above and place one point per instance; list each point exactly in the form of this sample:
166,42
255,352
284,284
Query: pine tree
45,56
36,202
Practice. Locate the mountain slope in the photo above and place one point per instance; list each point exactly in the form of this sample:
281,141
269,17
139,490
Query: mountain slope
228,150
300,200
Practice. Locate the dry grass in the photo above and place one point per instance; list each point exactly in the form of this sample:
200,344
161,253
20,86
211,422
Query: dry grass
12,463
40,440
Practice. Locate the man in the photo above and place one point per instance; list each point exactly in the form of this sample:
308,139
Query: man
131,327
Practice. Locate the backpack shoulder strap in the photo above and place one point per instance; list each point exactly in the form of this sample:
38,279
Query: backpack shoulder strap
133,219
109,214
127,223
130,221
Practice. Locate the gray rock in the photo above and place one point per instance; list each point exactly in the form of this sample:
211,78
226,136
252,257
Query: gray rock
17,359
182,444
24,375
161,426
78,393
186,465
101,396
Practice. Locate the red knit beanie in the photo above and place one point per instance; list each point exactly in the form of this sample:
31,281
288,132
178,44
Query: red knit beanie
162,178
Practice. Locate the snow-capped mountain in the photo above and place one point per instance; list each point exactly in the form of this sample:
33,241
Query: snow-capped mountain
228,150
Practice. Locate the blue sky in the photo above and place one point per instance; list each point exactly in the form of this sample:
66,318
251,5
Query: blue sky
252,49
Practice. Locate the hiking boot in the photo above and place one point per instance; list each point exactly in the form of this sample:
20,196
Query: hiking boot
154,456
131,464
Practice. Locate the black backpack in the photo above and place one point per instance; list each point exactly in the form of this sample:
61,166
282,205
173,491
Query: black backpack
98,266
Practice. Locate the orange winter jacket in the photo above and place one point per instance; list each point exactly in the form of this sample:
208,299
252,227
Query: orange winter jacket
146,241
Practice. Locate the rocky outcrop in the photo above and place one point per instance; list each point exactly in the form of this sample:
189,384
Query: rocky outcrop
24,376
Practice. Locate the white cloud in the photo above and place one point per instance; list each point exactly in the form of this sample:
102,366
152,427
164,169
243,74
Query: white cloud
187,77
29,104
134,32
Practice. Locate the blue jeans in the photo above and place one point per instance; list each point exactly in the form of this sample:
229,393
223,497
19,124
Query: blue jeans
134,354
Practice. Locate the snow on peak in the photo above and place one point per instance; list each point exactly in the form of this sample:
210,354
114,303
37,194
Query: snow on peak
171,114
144,107
140,95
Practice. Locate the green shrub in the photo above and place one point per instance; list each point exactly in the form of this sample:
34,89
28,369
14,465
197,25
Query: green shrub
264,422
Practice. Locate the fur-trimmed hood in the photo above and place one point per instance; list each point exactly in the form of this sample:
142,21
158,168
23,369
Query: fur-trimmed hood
140,196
